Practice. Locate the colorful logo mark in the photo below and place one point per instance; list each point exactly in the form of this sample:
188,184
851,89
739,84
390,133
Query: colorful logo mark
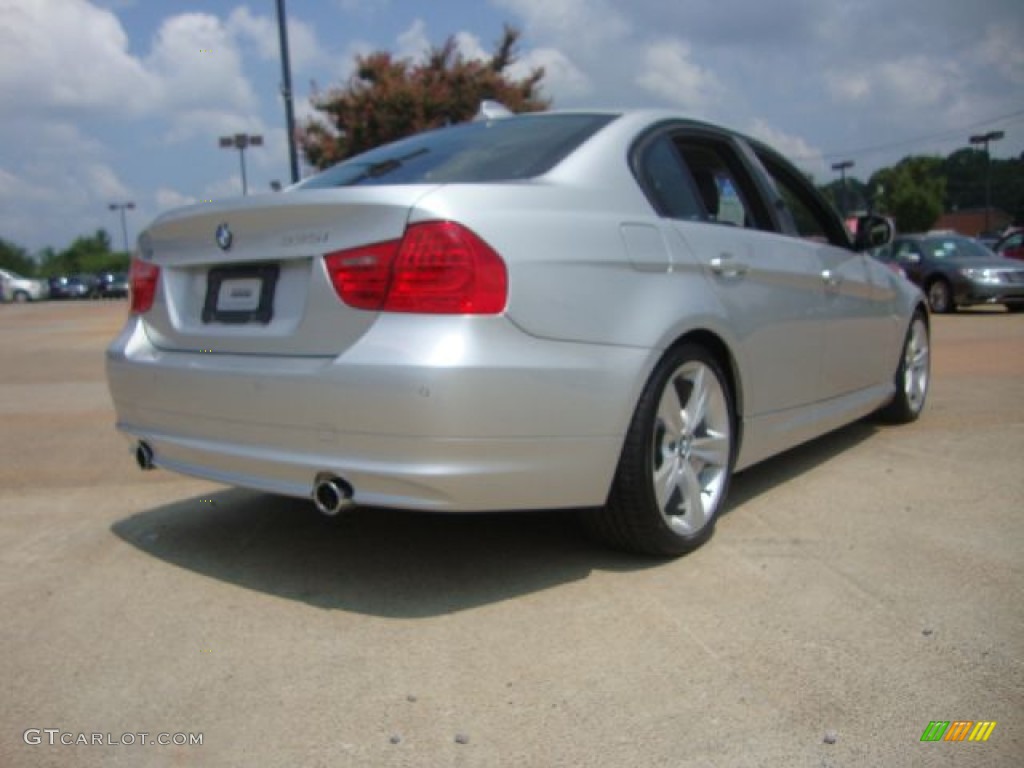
958,730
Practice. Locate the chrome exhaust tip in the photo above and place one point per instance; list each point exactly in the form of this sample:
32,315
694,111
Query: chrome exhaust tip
332,495
144,455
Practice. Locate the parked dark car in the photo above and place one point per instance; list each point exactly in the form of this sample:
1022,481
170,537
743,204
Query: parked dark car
956,271
1011,244
74,287
112,285
882,254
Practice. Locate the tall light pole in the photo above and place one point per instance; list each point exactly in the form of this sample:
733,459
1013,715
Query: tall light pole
985,138
122,207
286,91
842,167
240,141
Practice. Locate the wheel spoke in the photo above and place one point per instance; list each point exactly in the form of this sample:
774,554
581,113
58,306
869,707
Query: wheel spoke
666,484
711,449
694,512
697,404
670,414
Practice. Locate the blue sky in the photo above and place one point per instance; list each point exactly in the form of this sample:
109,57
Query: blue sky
112,100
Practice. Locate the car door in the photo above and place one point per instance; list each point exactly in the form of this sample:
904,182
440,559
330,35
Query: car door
856,327
773,300
909,256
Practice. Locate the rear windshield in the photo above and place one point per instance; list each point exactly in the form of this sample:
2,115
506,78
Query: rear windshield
497,150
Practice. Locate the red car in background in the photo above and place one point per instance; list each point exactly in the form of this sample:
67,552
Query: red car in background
1011,244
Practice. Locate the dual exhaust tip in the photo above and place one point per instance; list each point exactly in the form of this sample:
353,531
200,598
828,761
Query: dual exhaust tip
331,494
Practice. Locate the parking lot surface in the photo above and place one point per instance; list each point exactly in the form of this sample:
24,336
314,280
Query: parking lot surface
857,589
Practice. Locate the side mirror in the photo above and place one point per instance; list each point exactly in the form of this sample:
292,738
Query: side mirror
873,231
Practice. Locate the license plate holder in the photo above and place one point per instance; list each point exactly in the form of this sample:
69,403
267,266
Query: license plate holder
241,294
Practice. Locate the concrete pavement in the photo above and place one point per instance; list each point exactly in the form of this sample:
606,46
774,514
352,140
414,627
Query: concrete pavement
858,588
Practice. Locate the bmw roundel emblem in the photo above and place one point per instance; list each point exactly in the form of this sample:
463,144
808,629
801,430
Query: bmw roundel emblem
224,236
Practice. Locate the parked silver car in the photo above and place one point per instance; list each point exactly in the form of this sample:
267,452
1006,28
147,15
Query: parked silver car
597,310
14,287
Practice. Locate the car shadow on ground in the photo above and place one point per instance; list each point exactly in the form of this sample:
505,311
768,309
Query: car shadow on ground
398,564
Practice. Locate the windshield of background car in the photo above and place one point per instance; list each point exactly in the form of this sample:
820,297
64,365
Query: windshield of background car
508,149
955,248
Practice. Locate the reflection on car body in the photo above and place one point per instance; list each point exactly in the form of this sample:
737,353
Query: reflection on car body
597,310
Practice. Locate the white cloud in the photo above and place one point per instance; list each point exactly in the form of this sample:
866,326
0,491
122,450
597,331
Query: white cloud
468,45
413,43
363,7
579,25
167,198
562,78
796,148
919,80
68,55
198,64
670,74
1002,49
848,87
225,187
262,31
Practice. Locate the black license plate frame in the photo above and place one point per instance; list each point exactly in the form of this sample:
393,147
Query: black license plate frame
220,278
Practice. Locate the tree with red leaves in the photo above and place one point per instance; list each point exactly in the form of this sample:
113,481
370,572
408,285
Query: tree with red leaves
388,99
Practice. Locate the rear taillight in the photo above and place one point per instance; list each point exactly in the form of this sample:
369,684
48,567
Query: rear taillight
438,267
142,277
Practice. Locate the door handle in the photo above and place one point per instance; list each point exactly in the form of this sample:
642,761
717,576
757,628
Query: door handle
726,266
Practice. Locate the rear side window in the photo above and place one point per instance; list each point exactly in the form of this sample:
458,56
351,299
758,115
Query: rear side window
809,215
668,181
508,149
699,177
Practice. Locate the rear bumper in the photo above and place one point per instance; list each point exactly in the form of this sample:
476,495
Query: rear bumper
451,414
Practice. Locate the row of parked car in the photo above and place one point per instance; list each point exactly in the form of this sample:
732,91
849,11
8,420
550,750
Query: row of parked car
107,285
957,271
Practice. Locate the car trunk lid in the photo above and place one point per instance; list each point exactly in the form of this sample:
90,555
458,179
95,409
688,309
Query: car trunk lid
247,276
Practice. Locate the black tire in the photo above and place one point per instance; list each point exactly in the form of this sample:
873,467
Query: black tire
940,297
676,462
913,374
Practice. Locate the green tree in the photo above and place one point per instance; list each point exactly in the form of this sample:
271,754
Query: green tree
16,259
88,253
912,191
854,194
388,99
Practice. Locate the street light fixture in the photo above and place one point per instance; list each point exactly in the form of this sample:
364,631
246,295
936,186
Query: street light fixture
842,167
122,207
985,138
240,141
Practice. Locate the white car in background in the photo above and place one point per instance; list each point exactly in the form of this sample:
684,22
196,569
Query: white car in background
14,287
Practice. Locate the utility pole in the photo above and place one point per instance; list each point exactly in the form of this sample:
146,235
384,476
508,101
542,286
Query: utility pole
122,207
842,167
985,138
286,90
240,141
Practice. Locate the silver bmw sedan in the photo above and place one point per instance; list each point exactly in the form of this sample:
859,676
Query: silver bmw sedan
608,311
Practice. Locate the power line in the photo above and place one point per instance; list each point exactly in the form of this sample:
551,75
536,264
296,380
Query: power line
926,138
